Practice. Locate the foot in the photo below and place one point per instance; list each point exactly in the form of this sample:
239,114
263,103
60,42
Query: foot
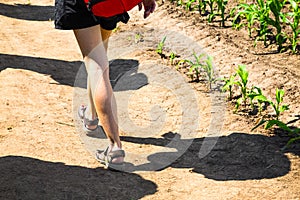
89,125
111,156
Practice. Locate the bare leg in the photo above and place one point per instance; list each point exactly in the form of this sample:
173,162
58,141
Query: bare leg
95,58
105,37
91,110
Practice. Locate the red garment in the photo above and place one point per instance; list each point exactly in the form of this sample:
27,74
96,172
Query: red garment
109,8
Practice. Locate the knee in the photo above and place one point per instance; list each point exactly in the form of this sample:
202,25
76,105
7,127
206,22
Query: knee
96,64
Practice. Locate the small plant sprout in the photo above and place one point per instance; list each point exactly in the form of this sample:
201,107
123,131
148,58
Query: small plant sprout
294,24
256,94
160,46
179,2
221,8
211,13
196,66
229,83
199,65
202,6
209,70
137,38
294,132
189,5
277,105
243,74
172,57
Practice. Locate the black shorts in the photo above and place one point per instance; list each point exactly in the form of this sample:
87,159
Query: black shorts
73,14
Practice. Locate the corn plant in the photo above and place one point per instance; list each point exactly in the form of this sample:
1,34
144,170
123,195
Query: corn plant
256,94
160,46
248,11
179,2
276,7
221,8
211,15
199,65
209,70
261,13
294,23
242,83
294,133
195,67
172,56
229,83
278,108
202,6
189,5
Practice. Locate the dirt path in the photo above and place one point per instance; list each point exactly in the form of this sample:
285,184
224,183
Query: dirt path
166,123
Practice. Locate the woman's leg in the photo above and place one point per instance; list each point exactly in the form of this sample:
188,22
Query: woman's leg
105,37
95,58
90,112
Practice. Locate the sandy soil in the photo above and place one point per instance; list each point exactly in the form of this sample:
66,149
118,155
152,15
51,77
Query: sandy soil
45,155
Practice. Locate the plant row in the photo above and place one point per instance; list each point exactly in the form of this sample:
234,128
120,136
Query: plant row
251,98
270,21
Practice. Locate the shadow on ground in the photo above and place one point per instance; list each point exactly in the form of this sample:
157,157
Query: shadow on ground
238,156
27,12
65,73
29,178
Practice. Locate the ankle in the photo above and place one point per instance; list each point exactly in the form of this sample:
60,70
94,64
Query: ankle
115,147
90,115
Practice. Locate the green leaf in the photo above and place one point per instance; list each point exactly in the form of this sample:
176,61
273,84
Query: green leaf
259,124
279,95
238,83
294,5
292,140
283,108
243,73
238,103
194,67
280,124
228,83
261,98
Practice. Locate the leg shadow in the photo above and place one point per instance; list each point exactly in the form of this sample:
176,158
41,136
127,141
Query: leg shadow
74,73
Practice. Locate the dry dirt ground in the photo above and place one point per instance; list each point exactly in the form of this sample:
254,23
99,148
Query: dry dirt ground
181,151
